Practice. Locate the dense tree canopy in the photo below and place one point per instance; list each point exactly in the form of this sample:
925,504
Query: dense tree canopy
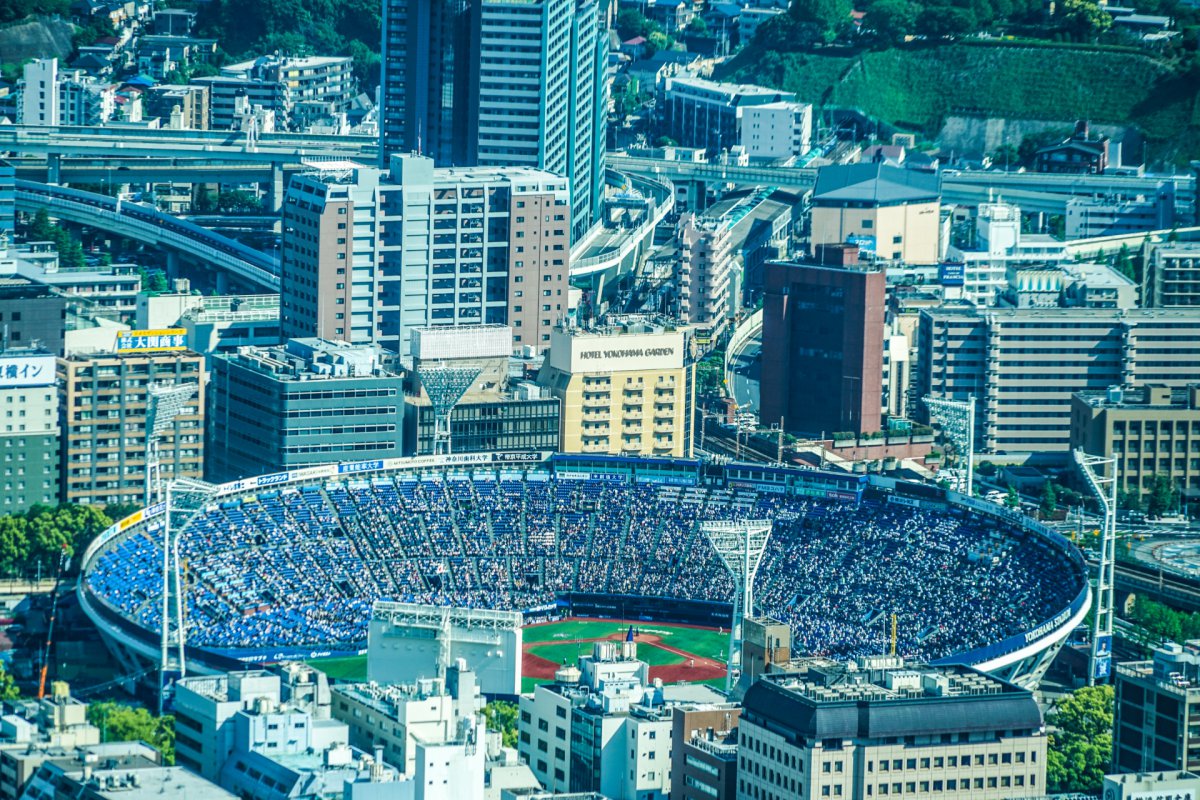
501,716
39,536
1081,743
122,723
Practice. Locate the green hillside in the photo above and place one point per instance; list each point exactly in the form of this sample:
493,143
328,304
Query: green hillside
917,87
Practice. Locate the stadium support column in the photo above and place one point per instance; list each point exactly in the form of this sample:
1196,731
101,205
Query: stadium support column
740,545
1101,475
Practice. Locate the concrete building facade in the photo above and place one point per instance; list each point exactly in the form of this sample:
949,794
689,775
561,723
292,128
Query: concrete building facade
369,254
1151,431
708,292
29,429
704,752
881,728
1171,275
1023,365
1158,711
307,402
501,84
891,213
103,419
624,388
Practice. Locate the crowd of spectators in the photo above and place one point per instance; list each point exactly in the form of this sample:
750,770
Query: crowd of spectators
302,567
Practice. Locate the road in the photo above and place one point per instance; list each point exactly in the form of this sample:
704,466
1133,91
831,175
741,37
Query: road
745,368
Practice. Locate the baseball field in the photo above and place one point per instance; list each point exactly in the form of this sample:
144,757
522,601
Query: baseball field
675,652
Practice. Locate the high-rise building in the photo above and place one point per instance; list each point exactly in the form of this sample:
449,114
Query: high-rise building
29,429
308,402
823,344
103,399
1158,711
625,388
1023,364
882,728
708,278
369,254
498,83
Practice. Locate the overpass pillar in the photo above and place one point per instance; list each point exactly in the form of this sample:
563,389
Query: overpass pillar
53,167
275,190
222,281
173,263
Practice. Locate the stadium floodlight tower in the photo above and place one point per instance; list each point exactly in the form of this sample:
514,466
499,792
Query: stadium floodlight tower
164,402
449,359
957,418
740,544
1101,475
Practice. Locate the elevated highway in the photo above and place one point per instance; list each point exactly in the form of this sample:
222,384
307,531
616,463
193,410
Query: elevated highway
227,146
1031,190
184,239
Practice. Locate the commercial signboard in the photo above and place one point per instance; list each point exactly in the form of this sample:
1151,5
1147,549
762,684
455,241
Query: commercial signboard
151,341
21,371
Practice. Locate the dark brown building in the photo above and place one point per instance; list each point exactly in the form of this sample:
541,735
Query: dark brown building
704,752
1081,154
823,344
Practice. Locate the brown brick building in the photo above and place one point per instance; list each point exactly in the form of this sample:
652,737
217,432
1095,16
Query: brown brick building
822,368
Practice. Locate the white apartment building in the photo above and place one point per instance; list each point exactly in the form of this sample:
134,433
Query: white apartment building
999,246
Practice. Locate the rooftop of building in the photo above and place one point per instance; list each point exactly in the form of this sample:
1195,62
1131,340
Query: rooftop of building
234,308
968,310
883,696
225,686
385,698
622,325
310,359
301,62
731,90
1096,275
874,182
145,782
1153,395
349,173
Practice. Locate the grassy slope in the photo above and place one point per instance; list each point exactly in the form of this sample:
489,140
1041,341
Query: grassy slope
917,87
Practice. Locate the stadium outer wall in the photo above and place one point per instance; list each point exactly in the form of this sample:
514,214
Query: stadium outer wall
1021,658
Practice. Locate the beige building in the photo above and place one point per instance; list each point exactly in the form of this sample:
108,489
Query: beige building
889,212
103,401
707,272
1151,431
880,728
1023,365
624,388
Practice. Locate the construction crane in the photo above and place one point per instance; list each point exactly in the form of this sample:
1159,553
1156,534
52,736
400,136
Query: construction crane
63,562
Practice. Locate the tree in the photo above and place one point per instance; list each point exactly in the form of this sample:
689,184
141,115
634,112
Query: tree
1084,19
122,723
939,22
1080,745
238,201
1124,263
1049,500
8,687
502,716
698,25
1011,498
1006,156
833,16
1130,501
892,20
631,24
1163,496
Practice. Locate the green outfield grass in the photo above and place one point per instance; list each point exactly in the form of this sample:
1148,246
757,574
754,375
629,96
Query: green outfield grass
558,642
350,668
698,641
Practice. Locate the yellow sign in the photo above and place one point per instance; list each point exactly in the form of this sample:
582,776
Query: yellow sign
151,341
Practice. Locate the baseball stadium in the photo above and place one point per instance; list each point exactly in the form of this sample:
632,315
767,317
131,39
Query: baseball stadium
290,565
